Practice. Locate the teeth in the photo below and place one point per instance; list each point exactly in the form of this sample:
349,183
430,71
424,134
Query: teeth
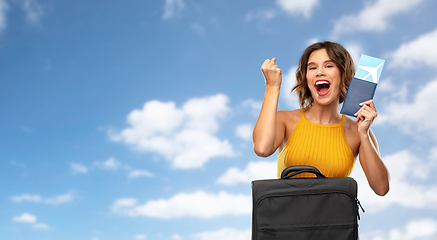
322,82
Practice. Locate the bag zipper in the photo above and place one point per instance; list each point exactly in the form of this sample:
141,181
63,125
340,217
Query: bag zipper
358,209
273,230
309,192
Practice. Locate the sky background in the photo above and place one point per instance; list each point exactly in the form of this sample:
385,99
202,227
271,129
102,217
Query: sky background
133,119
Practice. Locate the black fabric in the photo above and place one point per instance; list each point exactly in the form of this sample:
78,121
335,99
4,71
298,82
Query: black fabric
305,208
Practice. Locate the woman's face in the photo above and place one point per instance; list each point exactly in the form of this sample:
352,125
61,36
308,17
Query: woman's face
323,77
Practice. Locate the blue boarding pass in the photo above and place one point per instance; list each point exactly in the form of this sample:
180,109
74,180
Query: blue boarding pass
369,68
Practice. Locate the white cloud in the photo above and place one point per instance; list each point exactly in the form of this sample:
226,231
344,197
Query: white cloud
110,164
254,171
176,237
25,218
388,85
420,229
27,198
414,117
41,226
393,91
198,204
4,7
33,10
312,41
244,131
298,7
419,51
59,199
140,236
123,203
261,14
29,218
433,153
225,233
286,96
184,136
355,50
374,17
404,167
254,106
140,173
172,8
78,168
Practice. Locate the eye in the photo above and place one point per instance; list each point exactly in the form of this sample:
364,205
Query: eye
312,68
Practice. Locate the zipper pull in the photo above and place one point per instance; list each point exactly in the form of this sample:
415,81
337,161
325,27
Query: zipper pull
359,204
358,209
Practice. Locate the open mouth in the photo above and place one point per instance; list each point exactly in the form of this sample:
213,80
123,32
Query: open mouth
322,87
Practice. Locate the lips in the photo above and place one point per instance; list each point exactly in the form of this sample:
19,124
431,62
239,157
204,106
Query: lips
322,87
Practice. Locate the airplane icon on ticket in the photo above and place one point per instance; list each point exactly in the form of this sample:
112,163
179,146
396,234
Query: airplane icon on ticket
369,68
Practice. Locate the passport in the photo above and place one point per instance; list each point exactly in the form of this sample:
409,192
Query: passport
362,86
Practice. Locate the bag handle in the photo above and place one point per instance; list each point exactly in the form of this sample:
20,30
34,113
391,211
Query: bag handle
295,170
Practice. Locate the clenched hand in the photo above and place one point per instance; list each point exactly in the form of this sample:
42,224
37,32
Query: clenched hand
272,73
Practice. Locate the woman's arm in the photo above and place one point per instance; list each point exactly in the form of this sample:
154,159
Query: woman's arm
370,158
268,133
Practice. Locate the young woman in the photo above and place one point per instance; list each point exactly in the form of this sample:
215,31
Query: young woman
317,134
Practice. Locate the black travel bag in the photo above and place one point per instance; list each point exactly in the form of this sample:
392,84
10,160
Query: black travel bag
305,208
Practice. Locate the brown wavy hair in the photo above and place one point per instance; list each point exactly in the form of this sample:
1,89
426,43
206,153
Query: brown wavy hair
336,53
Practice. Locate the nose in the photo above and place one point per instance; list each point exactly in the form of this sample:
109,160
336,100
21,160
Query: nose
320,71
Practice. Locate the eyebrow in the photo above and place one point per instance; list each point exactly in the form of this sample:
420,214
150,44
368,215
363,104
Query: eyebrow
327,61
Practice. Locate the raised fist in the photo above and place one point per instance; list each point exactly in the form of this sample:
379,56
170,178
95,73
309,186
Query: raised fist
272,73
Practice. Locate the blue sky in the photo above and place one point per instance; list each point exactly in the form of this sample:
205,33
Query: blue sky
133,119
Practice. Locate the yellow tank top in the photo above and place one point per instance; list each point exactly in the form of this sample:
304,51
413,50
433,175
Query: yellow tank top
322,146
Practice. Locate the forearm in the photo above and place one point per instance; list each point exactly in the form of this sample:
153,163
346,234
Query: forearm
372,164
264,133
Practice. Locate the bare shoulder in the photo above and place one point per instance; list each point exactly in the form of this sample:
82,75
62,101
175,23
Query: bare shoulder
290,120
289,116
351,125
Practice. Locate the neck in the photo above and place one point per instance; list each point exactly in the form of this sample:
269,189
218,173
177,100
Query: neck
326,115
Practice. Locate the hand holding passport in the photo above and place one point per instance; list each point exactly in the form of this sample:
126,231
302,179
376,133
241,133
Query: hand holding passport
362,87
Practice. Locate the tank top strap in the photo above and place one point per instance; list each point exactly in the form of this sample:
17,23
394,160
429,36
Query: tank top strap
343,117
